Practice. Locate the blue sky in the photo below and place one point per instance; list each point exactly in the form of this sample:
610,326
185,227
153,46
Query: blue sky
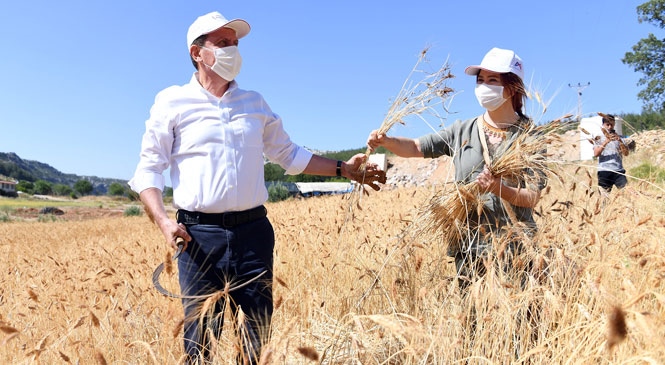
79,76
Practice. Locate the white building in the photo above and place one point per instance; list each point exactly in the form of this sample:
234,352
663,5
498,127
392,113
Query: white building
7,186
380,160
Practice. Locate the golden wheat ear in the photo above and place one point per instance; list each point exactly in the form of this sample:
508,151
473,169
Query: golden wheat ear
617,328
417,97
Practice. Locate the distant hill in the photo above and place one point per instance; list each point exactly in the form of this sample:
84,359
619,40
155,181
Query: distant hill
11,165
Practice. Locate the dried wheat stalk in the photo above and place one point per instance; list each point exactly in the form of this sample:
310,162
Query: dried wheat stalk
416,98
448,210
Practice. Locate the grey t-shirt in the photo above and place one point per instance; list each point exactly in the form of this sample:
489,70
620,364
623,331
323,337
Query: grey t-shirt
610,158
462,142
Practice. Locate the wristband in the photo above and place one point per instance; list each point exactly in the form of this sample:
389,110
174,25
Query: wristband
338,171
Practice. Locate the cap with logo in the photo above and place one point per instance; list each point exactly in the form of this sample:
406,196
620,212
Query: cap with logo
499,60
210,22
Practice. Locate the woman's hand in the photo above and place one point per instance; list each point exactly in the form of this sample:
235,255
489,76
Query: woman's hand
488,182
521,197
376,140
401,146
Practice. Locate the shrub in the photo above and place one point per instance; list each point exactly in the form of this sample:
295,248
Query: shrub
83,187
116,189
26,187
277,193
46,218
649,172
4,217
43,187
62,189
133,211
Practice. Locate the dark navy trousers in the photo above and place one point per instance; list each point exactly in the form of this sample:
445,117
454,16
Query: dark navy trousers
214,257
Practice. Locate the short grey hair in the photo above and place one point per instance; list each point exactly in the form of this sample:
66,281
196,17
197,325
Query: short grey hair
200,41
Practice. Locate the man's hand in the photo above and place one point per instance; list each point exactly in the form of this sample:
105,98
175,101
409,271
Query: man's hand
172,231
154,207
371,175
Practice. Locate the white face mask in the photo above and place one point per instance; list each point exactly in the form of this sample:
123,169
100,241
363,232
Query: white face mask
227,62
490,97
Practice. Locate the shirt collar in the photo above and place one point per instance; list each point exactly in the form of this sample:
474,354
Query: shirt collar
194,81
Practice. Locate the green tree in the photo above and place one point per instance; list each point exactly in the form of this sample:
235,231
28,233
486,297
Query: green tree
26,187
83,187
647,120
43,187
648,57
116,189
62,189
273,172
12,170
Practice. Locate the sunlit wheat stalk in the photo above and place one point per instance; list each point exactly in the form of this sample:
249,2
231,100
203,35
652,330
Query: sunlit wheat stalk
417,96
448,209
617,328
148,348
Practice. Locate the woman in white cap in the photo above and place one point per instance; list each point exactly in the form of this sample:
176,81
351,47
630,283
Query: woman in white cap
471,144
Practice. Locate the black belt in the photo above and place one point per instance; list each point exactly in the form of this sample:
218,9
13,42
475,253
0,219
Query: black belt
226,220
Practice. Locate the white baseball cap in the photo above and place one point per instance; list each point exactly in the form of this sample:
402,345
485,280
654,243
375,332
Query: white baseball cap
211,22
499,60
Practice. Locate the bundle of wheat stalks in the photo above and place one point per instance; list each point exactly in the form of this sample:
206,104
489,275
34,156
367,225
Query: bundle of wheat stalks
524,162
418,96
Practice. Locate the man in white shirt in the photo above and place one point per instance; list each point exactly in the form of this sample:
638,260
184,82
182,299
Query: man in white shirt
213,136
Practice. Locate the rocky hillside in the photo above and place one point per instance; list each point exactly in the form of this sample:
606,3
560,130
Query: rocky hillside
11,165
651,145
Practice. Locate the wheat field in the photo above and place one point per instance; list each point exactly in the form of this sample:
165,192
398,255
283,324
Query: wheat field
356,283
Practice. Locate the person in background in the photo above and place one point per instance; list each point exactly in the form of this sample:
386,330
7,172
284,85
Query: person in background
610,149
213,136
472,144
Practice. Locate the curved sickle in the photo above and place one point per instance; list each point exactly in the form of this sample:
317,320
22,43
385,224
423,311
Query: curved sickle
160,288
160,268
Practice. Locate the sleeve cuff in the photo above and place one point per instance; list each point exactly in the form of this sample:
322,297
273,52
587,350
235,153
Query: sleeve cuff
144,181
300,162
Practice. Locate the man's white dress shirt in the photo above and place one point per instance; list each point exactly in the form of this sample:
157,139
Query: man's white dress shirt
214,147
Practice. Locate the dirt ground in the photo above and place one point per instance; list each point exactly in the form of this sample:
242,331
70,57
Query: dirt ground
68,213
48,208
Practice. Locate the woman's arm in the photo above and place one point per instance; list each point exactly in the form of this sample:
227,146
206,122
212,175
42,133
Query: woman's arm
521,197
401,146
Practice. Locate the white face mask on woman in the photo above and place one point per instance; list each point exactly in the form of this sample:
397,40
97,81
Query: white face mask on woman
227,62
490,97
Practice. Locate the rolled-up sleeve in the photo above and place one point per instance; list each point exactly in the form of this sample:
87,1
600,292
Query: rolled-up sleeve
280,149
299,162
156,148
